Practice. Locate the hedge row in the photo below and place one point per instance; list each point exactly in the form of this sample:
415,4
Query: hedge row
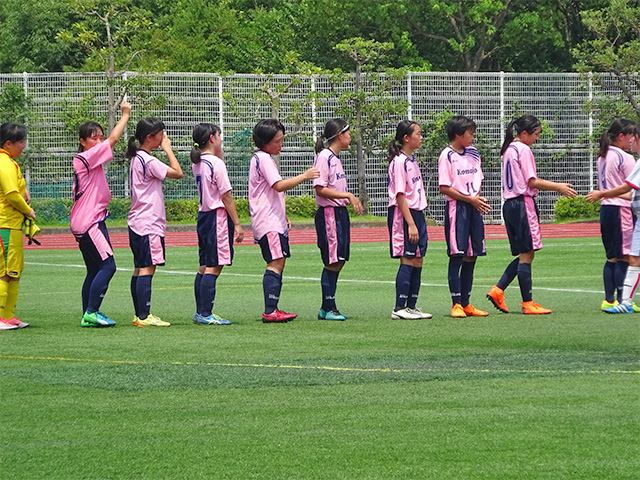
575,208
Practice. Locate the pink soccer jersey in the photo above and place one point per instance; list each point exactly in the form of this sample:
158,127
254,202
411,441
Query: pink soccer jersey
147,215
266,204
331,176
613,169
212,181
518,167
460,171
405,178
91,193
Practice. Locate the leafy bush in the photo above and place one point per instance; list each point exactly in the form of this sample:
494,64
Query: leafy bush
575,208
301,206
181,210
119,208
52,210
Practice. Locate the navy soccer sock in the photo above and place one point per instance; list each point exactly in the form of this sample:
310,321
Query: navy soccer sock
143,293
466,282
403,284
509,274
86,287
134,293
271,286
414,287
329,283
455,263
207,293
100,284
620,274
196,290
609,278
524,279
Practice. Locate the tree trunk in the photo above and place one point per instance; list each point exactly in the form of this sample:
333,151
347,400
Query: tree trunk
361,160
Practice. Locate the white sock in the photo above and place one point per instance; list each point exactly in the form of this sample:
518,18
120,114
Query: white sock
630,287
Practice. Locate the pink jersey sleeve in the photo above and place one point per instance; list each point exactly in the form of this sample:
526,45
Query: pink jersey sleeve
613,169
445,168
331,176
97,155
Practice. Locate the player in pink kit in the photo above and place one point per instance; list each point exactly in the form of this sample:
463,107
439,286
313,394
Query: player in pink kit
269,221
405,219
616,218
460,180
147,219
332,218
91,195
520,185
631,184
217,219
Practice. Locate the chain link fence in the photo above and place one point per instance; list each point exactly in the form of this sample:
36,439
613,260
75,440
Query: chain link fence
304,104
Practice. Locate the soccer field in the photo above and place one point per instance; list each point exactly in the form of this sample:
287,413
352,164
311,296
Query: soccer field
503,397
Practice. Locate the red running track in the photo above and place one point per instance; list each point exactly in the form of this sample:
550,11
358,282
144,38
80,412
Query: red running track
308,236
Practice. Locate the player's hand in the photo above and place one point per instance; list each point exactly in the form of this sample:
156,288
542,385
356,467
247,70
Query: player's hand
357,205
566,191
481,204
312,173
125,107
413,234
239,233
594,196
165,144
32,214
288,222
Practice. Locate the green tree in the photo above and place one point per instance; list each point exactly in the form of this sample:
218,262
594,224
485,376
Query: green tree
28,40
369,105
106,31
614,49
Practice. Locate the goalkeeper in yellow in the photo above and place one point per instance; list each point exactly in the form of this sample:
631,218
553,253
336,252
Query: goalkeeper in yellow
14,207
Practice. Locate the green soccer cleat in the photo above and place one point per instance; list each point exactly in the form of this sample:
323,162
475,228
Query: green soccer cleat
96,320
606,304
331,315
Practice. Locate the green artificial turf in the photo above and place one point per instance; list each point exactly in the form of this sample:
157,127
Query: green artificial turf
500,397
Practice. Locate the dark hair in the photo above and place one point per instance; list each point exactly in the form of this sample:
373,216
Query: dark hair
12,132
332,129
405,127
86,130
526,123
619,126
458,125
201,134
146,126
265,130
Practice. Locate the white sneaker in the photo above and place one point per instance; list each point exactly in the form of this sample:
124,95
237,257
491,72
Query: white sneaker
405,314
422,314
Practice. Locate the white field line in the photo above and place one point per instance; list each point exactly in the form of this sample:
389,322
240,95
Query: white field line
304,279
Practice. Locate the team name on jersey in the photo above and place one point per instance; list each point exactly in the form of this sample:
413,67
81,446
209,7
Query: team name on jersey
468,171
416,179
340,176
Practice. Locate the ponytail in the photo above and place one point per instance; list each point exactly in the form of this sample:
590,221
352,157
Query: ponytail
132,148
619,126
201,134
320,144
525,123
145,127
405,127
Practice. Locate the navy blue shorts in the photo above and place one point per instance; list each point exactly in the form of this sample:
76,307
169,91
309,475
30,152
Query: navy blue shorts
95,245
147,250
463,230
523,227
333,229
616,228
215,238
274,245
399,245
